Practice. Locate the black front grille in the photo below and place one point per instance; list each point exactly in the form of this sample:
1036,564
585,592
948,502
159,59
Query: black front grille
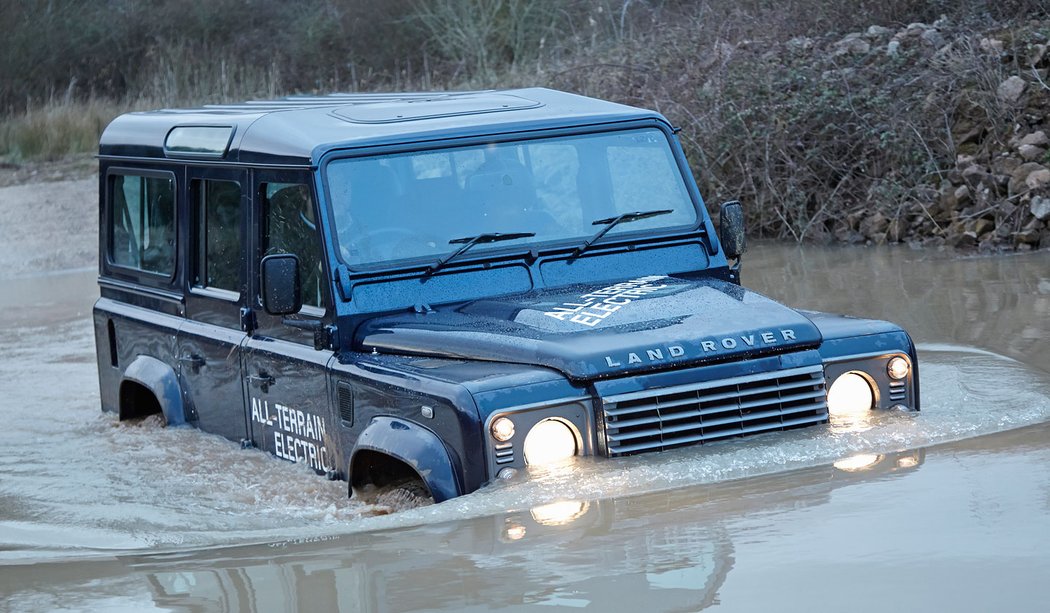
666,418
898,391
504,453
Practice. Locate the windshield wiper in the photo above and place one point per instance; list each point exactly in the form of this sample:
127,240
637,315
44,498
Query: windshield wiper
612,222
470,241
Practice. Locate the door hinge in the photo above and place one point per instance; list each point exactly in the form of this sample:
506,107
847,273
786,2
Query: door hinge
248,322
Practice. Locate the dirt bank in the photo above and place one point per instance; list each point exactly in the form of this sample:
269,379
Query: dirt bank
48,217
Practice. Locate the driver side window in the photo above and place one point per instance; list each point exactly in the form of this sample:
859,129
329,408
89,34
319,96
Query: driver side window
290,226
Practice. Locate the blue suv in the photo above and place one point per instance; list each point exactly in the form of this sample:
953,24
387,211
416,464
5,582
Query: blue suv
442,289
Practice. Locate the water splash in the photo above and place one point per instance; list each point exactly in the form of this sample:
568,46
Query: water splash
78,481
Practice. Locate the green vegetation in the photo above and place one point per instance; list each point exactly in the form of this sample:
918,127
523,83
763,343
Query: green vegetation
813,127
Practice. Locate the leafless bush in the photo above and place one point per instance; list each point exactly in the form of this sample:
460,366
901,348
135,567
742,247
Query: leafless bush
812,139
487,34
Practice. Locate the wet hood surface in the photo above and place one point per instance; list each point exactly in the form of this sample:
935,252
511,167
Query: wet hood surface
591,331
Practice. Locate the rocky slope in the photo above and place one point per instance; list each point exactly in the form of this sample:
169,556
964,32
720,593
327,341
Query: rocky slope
932,134
996,195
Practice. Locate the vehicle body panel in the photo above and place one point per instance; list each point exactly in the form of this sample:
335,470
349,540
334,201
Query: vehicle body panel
403,360
592,331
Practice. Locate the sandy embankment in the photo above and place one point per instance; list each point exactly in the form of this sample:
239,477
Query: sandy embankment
48,226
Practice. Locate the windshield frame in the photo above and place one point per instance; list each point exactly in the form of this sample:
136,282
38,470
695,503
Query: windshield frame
533,248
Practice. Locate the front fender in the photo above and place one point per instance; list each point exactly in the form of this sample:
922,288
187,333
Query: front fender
851,336
416,446
160,379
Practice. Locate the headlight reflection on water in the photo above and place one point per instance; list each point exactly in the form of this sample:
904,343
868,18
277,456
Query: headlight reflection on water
908,462
559,513
858,462
514,532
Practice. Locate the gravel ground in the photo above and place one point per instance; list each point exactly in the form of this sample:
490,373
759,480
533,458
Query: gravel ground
48,218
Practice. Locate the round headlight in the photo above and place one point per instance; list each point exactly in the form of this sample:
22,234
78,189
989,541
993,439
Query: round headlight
850,393
549,441
502,429
898,368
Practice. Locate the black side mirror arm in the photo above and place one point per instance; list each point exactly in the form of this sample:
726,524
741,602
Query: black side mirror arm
731,235
324,335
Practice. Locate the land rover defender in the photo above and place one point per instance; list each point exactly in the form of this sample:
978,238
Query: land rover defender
446,288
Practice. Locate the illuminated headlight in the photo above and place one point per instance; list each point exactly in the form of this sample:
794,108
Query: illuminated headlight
502,429
550,441
898,368
850,394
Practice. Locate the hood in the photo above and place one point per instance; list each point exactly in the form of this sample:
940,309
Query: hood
596,331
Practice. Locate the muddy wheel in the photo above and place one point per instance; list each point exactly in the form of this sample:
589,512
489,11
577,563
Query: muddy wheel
404,495
151,421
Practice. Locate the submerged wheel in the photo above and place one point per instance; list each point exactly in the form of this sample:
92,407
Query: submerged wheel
138,406
151,421
403,495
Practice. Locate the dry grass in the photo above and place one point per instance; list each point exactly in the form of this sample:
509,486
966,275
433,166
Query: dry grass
68,125
55,130
805,137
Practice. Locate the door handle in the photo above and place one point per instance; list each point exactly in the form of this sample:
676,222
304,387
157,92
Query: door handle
193,361
263,380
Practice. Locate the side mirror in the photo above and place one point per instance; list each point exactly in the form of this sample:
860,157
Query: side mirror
731,229
281,293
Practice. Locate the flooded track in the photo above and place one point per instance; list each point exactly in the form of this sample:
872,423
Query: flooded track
947,509
958,527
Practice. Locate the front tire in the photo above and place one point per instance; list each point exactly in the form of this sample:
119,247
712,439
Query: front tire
399,496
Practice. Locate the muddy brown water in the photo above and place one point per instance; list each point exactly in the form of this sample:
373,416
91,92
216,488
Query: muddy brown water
948,509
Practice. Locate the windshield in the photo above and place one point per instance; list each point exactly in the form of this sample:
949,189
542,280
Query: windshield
411,205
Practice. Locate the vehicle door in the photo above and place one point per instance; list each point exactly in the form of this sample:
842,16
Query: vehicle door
209,342
289,411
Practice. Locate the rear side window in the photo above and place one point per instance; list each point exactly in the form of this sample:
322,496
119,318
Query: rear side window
218,235
142,223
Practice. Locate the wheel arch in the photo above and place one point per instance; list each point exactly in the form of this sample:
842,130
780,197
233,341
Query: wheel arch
388,446
147,374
